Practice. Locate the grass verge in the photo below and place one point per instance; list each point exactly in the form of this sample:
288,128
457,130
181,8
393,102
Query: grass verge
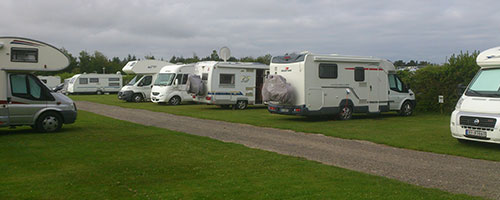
423,131
104,158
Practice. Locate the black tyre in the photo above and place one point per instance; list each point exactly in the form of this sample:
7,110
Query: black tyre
137,98
406,109
175,100
225,106
241,105
99,92
49,122
345,113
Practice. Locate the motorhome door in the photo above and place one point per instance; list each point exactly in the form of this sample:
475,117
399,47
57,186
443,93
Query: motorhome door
28,96
145,85
397,92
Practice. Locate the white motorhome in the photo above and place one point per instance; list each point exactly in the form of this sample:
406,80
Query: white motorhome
340,85
94,83
231,83
139,88
170,85
477,112
50,81
24,99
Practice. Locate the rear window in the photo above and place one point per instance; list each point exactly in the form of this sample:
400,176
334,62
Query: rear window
289,58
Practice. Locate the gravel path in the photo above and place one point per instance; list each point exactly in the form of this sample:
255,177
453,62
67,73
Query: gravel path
450,173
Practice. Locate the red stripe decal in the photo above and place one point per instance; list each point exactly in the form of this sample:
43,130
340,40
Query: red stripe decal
370,69
14,102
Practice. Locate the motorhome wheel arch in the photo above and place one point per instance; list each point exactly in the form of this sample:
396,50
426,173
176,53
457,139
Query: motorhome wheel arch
24,99
340,85
477,113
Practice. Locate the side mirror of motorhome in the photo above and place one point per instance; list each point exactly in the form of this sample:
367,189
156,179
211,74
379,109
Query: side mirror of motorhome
460,89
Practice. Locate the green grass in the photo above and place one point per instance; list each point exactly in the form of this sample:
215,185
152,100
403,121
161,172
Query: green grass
104,158
424,132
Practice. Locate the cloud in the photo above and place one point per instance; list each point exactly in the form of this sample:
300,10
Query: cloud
422,30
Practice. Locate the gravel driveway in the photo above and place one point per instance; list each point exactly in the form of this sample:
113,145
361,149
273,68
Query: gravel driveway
450,173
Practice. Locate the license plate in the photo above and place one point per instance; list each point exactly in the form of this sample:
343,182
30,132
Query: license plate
477,133
284,110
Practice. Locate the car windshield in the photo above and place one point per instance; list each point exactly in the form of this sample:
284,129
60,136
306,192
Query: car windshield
164,79
485,84
134,80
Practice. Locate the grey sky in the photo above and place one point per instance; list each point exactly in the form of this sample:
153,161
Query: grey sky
422,30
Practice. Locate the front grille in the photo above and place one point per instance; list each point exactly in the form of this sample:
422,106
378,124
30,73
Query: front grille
483,122
155,93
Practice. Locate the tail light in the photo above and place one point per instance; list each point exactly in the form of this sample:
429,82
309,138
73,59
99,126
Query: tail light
194,96
297,109
272,108
208,98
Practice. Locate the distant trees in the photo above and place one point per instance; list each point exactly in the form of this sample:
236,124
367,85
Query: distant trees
401,63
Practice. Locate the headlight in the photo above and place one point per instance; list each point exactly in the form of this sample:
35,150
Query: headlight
459,103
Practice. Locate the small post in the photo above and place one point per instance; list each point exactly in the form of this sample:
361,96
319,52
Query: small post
441,102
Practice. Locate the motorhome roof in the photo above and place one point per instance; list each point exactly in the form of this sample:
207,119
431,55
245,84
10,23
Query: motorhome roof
246,65
172,68
144,66
489,58
23,54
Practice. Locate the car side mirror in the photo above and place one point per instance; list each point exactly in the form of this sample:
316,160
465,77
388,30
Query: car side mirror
9,100
151,86
460,89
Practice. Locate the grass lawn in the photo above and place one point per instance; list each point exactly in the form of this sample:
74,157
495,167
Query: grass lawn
104,158
424,132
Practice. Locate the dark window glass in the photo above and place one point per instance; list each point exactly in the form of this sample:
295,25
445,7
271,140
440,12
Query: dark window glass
328,70
359,74
83,81
28,87
204,76
114,84
226,79
94,80
24,55
18,84
35,89
44,81
114,79
289,58
184,79
146,81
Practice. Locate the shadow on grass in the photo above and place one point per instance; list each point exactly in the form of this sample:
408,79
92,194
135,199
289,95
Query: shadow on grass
482,145
24,130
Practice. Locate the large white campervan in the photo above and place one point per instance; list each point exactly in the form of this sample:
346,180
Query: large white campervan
139,88
50,81
340,85
231,83
24,99
170,85
94,83
477,112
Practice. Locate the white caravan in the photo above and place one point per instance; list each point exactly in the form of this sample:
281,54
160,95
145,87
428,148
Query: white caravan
231,83
24,99
477,112
139,88
170,85
94,83
50,81
340,85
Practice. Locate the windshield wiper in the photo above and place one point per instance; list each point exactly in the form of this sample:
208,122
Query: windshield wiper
473,93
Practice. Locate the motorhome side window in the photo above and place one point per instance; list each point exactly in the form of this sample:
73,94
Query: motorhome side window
184,79
83,81
204,76
113,79
359,74
226,79
29,55
94,80
25,86
327,70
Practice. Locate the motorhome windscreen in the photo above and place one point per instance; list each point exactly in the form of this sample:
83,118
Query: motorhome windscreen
135,79
485,84
164,79
292,58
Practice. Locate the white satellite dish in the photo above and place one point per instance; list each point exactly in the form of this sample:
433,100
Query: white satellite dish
224,53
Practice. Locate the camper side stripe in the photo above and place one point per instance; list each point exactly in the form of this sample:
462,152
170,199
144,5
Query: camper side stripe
369,69
25,43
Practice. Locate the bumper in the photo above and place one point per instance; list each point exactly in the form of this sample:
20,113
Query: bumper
125,95
288,110
157,99
69,116
459,131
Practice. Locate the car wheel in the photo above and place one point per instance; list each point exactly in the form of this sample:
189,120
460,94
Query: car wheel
99,92
49,122
137,98
174,101
241,105
345,113
406,109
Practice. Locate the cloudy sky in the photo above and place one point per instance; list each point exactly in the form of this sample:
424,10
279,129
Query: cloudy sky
393,29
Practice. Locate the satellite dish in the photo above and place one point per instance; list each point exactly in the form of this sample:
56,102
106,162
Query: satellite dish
224,53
